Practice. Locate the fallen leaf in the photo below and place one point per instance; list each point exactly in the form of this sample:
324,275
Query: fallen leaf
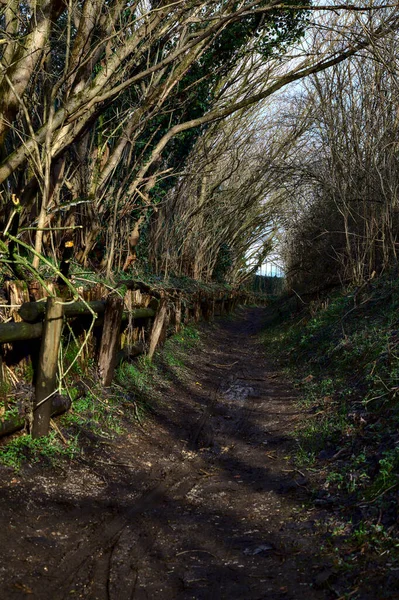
24,588
308,379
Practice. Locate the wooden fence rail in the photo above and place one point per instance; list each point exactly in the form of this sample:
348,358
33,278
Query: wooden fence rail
33,311
44,320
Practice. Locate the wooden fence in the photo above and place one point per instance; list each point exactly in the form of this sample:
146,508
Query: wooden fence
140,318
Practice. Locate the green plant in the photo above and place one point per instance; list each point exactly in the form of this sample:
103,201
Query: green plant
388,473
136,376
344,358
188,337
172,360
304,457
376,538
11,413
74,357
100,414
24,448
135,384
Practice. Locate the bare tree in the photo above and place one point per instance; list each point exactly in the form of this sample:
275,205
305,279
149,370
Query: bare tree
343,224
222,216
93,93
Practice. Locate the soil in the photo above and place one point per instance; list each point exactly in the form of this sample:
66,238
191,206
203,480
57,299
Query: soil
200,502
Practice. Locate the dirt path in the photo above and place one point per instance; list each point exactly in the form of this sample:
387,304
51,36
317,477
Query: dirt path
199,503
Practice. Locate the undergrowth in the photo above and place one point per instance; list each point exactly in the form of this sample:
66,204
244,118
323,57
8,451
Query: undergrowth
99,414
51,449
343,354
174,353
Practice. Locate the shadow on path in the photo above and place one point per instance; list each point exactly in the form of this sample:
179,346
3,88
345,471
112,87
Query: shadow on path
201,503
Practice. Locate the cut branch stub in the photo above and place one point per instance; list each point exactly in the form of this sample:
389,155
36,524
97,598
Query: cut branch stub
110,339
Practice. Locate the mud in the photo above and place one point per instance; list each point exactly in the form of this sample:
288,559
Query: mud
201,502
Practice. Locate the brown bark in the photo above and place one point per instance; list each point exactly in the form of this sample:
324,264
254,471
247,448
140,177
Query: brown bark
17,292
47,369
157,327
23,59
110,339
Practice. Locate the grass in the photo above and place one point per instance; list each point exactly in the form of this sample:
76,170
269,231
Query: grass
345,361
173,356
135,384
10,413
23,448
104,413
343,356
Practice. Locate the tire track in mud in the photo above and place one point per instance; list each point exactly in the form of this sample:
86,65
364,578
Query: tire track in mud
101,545
234,389
91,567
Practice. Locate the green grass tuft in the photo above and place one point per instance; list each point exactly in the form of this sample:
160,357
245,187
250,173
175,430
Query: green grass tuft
24,448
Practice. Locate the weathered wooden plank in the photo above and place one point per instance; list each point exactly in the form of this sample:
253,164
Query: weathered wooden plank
110,339
35,311
47,369
13,332
141,313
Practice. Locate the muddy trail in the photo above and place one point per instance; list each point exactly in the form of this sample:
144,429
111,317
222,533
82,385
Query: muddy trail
200,502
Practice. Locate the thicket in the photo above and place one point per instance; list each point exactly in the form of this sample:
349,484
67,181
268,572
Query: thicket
341,190
91,92
106,135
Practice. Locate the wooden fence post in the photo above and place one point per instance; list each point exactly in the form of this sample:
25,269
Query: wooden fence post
157,326
197,308
47,369
164,330
178,315
110,339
